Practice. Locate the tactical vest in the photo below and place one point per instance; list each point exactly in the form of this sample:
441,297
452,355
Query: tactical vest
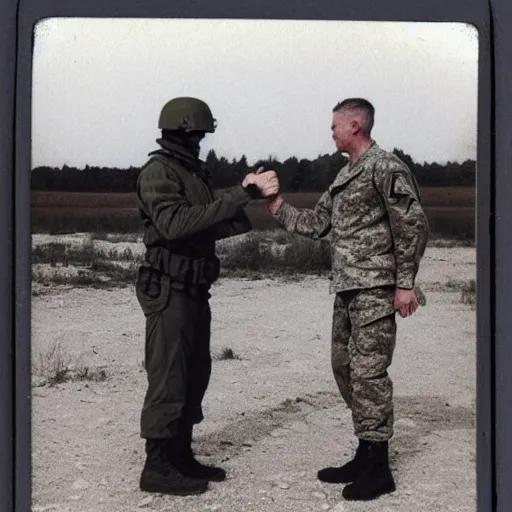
190,261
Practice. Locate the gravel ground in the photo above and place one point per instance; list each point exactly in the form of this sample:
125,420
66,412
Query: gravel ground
273,417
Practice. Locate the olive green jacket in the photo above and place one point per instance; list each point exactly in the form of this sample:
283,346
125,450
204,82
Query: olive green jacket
377,227
179,209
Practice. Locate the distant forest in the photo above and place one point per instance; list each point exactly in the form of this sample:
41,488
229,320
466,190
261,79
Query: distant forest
295,175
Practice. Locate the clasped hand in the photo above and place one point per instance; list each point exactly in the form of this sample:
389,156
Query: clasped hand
266,181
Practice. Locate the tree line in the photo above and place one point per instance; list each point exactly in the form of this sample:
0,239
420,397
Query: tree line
295,175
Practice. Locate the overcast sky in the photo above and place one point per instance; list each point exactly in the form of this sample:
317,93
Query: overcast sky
98,86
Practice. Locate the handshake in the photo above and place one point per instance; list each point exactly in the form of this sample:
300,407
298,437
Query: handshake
262,184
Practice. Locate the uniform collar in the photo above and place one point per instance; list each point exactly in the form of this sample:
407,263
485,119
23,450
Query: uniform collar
372,149
194,164
348,172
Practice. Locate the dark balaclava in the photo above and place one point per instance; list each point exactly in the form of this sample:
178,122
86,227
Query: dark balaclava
190,140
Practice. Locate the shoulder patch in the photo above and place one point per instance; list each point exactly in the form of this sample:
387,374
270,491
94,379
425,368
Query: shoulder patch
401,185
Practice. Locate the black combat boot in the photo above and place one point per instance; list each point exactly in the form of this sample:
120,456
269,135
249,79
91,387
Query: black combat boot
350,471
161,475
376,479
192,467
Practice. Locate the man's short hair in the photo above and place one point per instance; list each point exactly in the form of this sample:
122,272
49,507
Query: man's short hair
360,105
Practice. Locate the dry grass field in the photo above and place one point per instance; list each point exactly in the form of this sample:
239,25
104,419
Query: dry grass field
449,196
435,196
51,199
450,211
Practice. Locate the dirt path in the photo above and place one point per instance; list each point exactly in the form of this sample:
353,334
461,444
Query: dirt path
273,417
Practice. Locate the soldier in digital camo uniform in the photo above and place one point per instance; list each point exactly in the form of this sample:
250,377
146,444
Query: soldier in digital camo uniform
378,233
182,218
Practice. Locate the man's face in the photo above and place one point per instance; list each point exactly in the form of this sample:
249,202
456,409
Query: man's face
343,128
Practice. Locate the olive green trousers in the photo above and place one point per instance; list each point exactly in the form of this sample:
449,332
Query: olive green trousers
177,353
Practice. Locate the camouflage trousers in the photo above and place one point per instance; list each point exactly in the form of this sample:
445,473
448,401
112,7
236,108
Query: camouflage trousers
363,342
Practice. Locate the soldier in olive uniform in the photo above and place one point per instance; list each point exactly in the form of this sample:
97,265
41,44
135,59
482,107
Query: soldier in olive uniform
378,234
182,218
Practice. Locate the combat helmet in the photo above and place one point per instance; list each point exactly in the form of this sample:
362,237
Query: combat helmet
188,114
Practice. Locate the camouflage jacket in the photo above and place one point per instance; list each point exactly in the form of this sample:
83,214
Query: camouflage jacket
373,216
179,209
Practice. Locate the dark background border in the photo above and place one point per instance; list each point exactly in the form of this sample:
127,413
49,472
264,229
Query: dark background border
7,100
494,416
501,19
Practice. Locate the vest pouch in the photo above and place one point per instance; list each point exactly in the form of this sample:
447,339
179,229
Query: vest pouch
152,290
187,270
205,271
